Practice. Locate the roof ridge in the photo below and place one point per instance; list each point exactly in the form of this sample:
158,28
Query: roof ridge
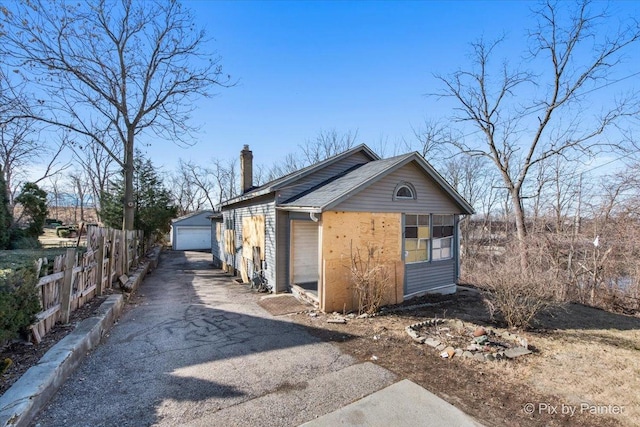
274,183
325,182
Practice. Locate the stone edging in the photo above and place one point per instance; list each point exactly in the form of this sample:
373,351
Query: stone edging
520,344
26,397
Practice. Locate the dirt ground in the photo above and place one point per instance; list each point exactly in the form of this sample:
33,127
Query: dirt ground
24,355
50,240
583,371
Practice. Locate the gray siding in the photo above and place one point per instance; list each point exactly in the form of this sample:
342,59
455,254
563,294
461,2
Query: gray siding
216,246
378,197
322,175
427,276
282,250
268,210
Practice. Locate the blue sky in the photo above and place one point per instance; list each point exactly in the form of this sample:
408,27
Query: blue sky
304,66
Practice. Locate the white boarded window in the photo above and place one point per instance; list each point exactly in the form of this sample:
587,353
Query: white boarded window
442,232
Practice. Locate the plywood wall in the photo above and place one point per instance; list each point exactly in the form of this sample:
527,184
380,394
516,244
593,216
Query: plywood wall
253,235
343,234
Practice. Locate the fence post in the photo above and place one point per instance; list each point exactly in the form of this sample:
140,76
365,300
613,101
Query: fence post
113,268
100,272
125,253
67,288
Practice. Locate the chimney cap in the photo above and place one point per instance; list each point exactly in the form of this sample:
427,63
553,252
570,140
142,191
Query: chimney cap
246,147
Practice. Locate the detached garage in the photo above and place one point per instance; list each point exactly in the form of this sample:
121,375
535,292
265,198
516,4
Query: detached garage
191,232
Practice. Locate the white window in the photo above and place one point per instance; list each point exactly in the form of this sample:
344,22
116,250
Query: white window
442,230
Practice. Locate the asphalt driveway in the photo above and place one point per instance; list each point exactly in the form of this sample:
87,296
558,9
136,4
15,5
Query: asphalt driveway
199,350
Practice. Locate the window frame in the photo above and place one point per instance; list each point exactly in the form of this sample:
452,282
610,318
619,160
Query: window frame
229,223
419,239
442,229
408,186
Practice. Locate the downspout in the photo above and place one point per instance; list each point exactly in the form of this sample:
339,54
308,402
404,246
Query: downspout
457,248
313,216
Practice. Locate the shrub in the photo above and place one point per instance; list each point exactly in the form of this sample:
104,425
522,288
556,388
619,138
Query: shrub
63,231
19,303
515,295
34,205
370,279
20,239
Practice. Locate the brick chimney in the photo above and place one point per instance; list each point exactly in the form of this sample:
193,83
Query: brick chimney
246,169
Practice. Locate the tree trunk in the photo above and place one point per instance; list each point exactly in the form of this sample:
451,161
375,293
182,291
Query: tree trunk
521,229
129,203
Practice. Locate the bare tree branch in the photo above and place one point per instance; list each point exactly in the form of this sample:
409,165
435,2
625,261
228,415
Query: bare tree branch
498,102
113,70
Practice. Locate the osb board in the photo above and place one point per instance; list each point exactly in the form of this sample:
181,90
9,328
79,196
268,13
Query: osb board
345,234
339,294
253,231
229,241
218,231
244,273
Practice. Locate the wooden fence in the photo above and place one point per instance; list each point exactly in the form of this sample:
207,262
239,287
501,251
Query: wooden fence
77,277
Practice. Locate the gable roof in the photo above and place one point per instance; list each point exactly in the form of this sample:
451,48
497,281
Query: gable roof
190,215
334,191
291,178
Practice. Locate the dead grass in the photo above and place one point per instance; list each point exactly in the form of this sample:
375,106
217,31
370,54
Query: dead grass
50,240
583,356
591,357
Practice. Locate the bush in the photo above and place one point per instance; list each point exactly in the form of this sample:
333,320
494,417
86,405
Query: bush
515,295
19,303
20,239
65,231
370,280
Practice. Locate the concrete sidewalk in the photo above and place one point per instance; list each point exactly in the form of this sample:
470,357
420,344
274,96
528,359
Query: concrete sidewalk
401,404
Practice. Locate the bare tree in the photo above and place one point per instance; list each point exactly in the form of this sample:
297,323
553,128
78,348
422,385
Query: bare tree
194,187
98,166
185,195
289,164
123,67
77,180
13,102
21,149
327,143
21,145
578,55
54,195
432,140
225,175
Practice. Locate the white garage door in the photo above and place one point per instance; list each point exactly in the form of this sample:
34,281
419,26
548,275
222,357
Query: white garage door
304,251
189,238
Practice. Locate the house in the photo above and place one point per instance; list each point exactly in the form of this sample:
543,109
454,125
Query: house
302,231
191,231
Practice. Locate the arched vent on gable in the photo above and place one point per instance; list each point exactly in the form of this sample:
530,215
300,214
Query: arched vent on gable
404,191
